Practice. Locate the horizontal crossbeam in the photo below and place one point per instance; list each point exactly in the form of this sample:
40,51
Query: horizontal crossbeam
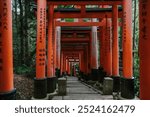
78,24
86,15
85,2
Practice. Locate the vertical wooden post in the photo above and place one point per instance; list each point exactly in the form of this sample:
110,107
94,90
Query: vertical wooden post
115,43
101,39
58,46
80,62
83,61
115,50
62,63
127,83
86,64
103,46
94,51
108,48
127,39
54,47
41,37
51,80
69,66
144,52
40,83
7,90
66,63
50,65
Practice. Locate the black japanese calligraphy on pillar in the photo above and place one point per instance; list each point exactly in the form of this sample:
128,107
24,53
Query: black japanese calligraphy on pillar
144,22
3,27
42,51
124,26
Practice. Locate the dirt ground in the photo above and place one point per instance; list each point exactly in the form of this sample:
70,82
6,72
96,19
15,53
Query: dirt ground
24,87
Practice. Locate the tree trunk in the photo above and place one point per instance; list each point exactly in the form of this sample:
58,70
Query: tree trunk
27,10
21,32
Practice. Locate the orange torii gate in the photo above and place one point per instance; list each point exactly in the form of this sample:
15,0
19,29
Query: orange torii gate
40,83
77,54
127,62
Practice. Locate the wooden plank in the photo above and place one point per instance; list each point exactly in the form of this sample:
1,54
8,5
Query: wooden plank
85,2
86,15
79,24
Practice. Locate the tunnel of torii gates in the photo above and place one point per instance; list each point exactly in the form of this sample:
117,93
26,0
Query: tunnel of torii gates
68,44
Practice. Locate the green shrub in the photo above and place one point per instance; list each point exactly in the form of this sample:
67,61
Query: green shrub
24,70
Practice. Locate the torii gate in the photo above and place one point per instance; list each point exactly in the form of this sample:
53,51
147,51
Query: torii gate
7,89
127,34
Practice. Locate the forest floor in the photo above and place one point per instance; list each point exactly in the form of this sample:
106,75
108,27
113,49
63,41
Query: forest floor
24,87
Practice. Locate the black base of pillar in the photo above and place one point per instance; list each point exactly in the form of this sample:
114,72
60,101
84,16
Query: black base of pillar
101,75
127,88
116,83
80,75
40,88
51,84
57,72
9,95
85,77
94,74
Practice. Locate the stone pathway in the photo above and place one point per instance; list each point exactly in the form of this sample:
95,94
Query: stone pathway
78,91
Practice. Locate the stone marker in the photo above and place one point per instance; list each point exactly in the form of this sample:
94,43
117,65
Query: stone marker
62,86
108,86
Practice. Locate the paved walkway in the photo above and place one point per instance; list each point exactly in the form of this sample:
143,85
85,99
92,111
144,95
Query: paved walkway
78,91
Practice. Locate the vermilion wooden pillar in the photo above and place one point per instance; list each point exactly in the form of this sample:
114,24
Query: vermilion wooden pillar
103,46
115,42
127,83
50,62
108,48
144,51
51,80
83,61
101,39
67,62
41,37
69,66
40,83
7,90
94,51
58,47
54,48
62,63
127,39
80,62
86,62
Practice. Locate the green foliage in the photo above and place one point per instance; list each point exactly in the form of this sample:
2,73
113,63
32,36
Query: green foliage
24,36
69,19
136,73
24,70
